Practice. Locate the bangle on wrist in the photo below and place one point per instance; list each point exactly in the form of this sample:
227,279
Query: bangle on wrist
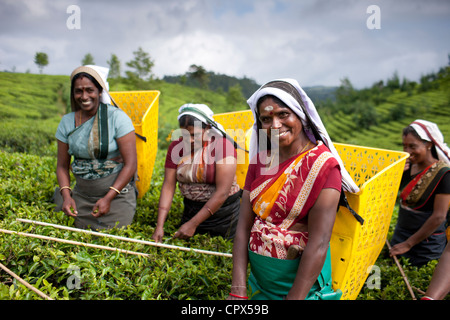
112,188
237,296
65,187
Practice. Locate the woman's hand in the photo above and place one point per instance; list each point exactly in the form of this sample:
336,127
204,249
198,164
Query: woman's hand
69,207
158,234
101,207
400,248
186,231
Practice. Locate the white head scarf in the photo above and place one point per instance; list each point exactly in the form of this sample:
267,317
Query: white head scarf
101,75
287,90
201,112
429,131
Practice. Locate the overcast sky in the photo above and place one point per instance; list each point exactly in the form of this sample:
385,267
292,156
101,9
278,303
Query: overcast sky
317,42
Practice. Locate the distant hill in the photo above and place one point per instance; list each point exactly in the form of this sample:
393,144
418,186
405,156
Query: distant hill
31,106
223,83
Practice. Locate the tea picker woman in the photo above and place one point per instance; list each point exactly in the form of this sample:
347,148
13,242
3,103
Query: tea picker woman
290,199
203,163
425,195
101,139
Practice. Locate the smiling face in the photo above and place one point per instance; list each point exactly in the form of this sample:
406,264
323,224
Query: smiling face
417,149
86,95
274,116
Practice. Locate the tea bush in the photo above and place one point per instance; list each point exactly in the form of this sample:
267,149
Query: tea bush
66,271
26,187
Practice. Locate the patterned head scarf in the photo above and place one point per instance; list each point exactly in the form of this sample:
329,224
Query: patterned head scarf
429,131
290,92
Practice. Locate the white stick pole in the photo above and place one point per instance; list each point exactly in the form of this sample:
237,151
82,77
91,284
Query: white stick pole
151,243
26,284
77,243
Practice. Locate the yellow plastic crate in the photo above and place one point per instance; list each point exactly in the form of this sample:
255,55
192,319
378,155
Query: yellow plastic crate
354,247
236,124
142,108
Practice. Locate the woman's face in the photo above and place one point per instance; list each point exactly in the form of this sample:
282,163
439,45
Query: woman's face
195,136
417,149
86,95
276,117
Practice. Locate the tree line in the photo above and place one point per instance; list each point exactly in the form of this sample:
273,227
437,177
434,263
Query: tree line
362,103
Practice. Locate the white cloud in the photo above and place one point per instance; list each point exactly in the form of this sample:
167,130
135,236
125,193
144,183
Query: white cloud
314,41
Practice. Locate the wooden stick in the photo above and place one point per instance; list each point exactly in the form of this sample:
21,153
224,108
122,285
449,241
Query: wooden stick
151,243
26,284
90,245
402,272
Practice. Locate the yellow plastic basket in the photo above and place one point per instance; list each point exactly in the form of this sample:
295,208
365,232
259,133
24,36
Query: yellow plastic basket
142,108
354,247
236,124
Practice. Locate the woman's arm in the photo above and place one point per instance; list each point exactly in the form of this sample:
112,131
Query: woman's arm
440,282
440,209
224,177
240,247
320,226
63,175
165,202
127,149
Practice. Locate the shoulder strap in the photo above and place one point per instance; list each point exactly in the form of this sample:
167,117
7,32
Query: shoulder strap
103,131
344,203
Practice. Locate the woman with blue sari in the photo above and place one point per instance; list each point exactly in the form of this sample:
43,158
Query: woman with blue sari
100,138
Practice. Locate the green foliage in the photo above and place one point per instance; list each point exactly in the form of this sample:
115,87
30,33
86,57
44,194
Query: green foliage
88,59
26,187
41,60
142,65
30,109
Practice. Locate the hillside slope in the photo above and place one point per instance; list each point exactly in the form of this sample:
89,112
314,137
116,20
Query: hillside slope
31,106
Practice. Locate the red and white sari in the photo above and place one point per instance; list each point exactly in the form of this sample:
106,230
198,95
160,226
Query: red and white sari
283,196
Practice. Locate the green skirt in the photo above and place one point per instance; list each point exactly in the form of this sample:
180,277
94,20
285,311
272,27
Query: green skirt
272,278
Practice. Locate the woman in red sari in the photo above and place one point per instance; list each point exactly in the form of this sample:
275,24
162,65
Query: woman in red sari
290,200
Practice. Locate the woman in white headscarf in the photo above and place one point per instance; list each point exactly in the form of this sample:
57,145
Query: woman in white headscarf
100,138
290,199
425,195
203,163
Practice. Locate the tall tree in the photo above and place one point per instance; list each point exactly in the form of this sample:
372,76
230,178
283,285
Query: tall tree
41,59
199,73
142,64
88,59
114,66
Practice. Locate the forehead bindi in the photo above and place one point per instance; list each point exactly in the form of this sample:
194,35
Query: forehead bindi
83,83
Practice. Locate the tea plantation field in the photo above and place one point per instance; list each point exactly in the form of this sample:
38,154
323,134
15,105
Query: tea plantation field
30,109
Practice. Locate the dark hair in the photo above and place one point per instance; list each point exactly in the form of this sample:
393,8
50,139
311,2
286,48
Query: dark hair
410,130
79,76
188,120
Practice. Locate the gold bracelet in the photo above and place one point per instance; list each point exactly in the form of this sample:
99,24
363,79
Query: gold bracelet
65,187
112,188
